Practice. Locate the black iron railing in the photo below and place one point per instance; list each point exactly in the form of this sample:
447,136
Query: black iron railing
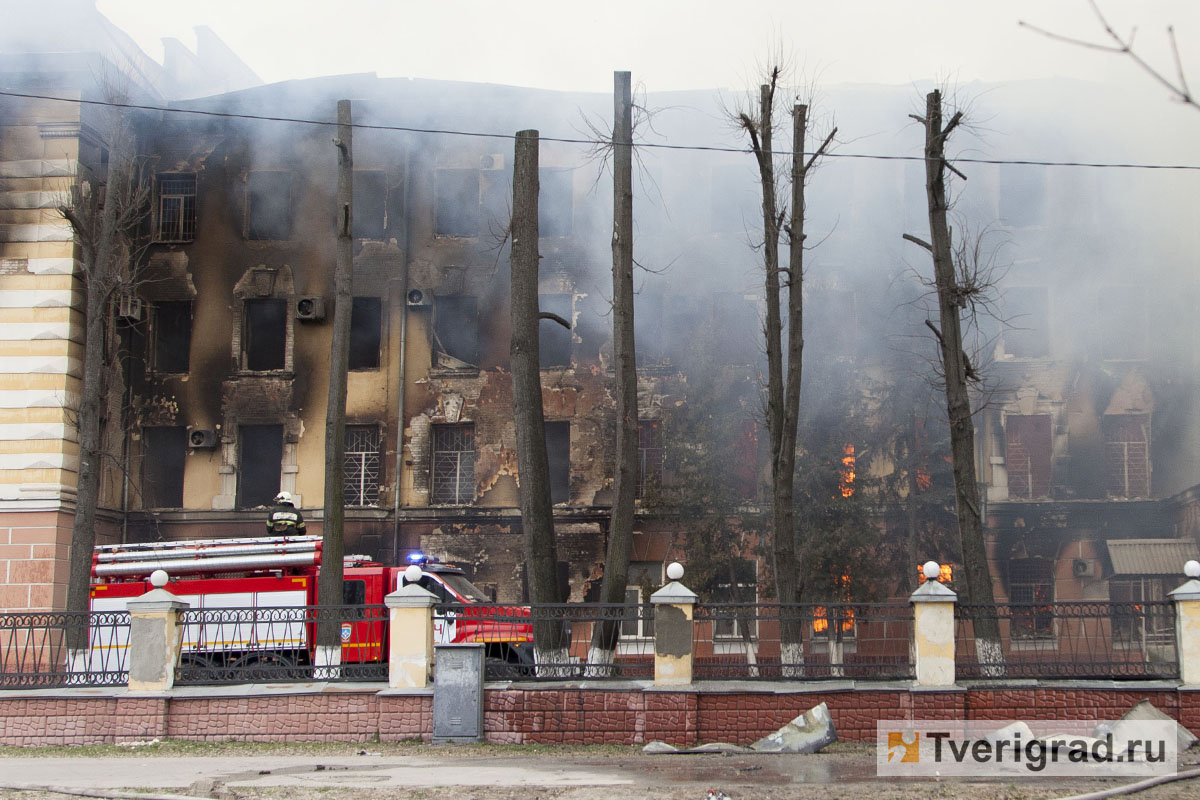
34,649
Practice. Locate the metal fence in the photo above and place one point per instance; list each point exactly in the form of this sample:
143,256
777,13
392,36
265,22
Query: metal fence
33,650
1070,640
743,641
507,633
263,645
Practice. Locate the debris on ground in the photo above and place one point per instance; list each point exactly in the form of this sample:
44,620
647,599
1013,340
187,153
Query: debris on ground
1146,711
807,733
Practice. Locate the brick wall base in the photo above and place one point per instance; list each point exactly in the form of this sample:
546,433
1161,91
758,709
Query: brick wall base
612,715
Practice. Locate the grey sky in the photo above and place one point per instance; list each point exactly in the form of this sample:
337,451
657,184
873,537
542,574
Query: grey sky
567,44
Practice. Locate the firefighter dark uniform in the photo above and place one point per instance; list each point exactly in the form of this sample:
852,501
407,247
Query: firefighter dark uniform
285,518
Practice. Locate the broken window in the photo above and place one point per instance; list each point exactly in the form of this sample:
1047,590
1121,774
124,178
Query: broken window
736,584
269,205
555,202
370,204
457,202
642,580
1133,623
456,325
366,319
361,465
172,335
165,448
650,457
1122,311
1026,319
264,338
554,341
558,454
453,464
1031,597
1126,455
260,462
177,207
1028,455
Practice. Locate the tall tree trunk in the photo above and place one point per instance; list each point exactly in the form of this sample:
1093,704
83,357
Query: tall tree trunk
329,582
537,517
958,401
620,530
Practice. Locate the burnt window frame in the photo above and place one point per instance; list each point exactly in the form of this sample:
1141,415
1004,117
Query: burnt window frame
448,452
560,479
362,464
1110,425
171,357
366,340
272,230
454,314
249,340
156,472
183,195
1031,599
267,430
1042,460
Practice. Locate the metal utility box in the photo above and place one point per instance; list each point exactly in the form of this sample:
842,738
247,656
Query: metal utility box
458,693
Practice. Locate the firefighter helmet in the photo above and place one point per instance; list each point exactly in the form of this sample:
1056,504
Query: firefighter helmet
284,497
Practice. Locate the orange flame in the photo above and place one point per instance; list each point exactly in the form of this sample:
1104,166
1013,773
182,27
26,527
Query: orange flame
945,573
924,480
847,471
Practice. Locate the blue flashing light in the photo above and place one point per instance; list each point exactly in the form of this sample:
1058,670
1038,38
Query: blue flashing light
416,558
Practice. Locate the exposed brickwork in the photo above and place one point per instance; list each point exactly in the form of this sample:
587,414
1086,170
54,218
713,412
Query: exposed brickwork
614,715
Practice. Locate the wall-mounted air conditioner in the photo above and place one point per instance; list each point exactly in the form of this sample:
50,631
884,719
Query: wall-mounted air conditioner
1082,568
310,309
203,437
418,298
129,307
492,161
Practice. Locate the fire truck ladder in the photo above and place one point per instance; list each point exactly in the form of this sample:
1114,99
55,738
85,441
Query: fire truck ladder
206,556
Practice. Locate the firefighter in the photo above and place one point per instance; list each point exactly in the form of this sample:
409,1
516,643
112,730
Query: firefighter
285,519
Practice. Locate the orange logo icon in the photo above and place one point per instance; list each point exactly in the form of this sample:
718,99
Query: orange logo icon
909,752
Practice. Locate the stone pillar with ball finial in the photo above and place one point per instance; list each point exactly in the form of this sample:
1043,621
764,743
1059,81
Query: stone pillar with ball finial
410,632
933,629
155,637
1187,624
673,606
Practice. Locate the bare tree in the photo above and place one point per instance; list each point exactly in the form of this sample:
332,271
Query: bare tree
537,516
620,529
329,582
783,388
105,213
955,295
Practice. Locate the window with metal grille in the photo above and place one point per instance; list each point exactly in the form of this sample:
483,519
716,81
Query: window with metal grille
1126,455
650,457
453,464
360,465
177,207
736,584
1135,625
1031,594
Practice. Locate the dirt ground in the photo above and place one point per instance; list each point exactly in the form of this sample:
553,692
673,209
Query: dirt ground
377,772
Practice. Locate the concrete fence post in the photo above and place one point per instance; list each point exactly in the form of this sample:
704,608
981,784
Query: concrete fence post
155,637
933,629
1187,624
673,605
410,636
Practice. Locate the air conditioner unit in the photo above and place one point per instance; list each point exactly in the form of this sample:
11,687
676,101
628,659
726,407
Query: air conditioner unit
129,308
492,161
203,437
1082,568
310,309
418,298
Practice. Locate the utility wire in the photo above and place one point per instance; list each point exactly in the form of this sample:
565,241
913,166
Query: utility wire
593,142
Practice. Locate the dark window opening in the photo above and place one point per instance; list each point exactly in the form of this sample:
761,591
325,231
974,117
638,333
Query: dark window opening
453,464
1028,455
172,335
269,205
456,326
1026,317
366,318
555,202
162,466
650,457
1126,455
370,204
1031,595
558,454
177,207
354,593
737,583
554,341
361,465
260,463
457,202
1135,624
642,579
265,337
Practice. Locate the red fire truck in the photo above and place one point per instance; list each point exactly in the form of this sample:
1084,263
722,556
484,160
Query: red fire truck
277,577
